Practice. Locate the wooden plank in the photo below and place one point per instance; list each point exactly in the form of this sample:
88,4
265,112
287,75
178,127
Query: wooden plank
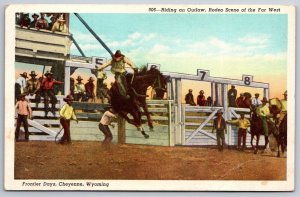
36,130
40,127
42,114
42,105
88,106
197,124
202,125
196,117
48,121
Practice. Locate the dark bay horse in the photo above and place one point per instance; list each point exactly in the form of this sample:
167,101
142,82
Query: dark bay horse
281,134
138,84
256,129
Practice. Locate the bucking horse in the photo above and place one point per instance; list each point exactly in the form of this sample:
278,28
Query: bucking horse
137,85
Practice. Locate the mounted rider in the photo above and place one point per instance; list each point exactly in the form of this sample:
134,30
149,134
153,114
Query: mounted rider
283,111
118,63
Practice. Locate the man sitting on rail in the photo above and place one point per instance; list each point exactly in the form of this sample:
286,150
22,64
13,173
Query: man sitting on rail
117,63
189,98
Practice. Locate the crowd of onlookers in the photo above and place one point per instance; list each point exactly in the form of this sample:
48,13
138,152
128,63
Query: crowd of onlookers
245,99
39,21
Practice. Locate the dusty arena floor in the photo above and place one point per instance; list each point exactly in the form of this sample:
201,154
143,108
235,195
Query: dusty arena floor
92,160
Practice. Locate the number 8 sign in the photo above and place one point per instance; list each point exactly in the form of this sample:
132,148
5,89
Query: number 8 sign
247,79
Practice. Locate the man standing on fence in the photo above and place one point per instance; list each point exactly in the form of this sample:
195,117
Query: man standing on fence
243,123
220,126
23,111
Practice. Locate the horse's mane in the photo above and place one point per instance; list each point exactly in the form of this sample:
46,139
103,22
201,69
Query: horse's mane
144,70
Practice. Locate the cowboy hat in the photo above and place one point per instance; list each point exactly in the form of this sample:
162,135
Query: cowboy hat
48,73
91,79
61,18
285,93
256,94
264,100
24,74
79,78
190,90
35,15
201,91
68,98
33,73
219,111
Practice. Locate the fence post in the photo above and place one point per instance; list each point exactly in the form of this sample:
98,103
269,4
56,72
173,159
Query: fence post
121,130
183,124
171,124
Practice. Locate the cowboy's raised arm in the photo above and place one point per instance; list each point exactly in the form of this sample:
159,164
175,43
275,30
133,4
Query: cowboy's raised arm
130,63
106,64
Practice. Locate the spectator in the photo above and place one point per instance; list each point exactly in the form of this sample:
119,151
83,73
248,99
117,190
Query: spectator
33,84
53,20
255,102
48,91
66,115
101,76
105,122
232,93
35,17
42,23
243,123
201,99
104,93
220,126
60,26
89,89
20,85
189,98
25,20
24,111
240,101
79,90
209,101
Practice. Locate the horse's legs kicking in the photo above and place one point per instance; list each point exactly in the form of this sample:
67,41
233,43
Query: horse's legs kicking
140,128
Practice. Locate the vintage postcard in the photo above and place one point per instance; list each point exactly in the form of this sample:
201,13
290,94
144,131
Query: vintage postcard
150,97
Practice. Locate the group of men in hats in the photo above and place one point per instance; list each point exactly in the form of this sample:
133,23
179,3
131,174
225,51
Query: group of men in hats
57,23
201,101
84,92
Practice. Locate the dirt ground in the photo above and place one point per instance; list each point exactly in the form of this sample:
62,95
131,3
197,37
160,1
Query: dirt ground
93,160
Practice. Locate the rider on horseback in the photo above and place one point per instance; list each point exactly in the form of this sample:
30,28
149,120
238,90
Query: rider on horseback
283,111
264,113
117,63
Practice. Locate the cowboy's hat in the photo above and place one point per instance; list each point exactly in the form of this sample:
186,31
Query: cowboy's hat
201,91
68,98
256,94
48,73
33,73
190,90
35,15
219,111
24,74
91,79
61,18
79,78
264,100
285,93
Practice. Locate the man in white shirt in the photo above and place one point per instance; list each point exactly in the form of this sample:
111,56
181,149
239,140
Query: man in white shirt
104,122
20,85
255,102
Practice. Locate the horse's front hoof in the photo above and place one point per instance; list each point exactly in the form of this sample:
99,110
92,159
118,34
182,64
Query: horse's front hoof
146,136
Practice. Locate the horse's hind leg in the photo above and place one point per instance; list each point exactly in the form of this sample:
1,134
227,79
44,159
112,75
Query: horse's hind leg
146,111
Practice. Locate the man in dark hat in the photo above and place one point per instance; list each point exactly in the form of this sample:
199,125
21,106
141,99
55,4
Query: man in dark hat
23,112
189,98
35,17
263,112
20,85
89,89
48,91
243,123
220,126
33,87
25,20
232,94
79,90
240,101
53,20
67,114
105,122
118,63
201,99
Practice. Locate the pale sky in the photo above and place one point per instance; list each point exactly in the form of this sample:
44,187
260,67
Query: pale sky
227,45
